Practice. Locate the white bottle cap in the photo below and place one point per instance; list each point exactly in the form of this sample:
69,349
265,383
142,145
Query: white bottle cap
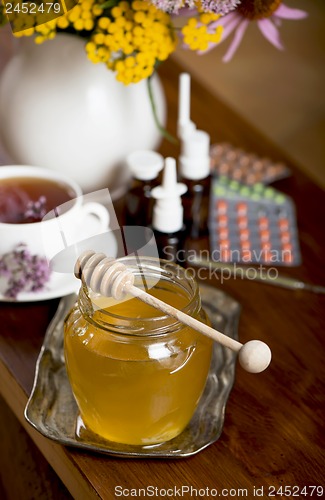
168,209
195,155
145,165
184,124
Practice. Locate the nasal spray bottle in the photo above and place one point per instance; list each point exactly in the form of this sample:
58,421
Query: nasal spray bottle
167,219
194,163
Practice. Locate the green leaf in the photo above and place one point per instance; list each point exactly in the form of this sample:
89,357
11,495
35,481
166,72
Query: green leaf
109,3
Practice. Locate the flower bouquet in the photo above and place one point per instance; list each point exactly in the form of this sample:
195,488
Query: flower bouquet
132,37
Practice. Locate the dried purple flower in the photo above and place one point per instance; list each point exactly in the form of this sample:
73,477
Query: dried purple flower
23,271
4,271
36,209
173,6
215,6
219,6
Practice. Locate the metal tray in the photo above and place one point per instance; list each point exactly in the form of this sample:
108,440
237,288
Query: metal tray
51,408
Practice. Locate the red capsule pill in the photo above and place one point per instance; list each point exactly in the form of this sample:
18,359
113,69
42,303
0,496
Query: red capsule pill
222,206
263,223
222,220
242,222
242,209
285,236
287,257
224,244
223,233
283,224
245,245
265,235
243,234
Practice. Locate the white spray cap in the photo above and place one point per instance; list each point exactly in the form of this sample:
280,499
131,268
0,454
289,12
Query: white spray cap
195,155
185,124
168,209
145,165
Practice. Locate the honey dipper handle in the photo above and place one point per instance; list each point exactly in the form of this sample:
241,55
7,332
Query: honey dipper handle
185,318
254,356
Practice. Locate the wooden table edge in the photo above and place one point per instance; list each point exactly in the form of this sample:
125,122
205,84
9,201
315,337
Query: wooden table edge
57,455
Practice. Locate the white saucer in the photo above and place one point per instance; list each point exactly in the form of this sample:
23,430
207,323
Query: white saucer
65,283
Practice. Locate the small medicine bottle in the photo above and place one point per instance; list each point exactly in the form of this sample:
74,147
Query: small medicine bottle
137,375
167,219
194,163
144,167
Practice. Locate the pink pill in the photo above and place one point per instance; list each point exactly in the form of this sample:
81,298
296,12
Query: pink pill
237,174
253,178
224,168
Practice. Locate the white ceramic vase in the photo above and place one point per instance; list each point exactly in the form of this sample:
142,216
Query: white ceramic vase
58,110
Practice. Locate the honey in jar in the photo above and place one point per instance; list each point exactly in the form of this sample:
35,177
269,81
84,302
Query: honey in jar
136,374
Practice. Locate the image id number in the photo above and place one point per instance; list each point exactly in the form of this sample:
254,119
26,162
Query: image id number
33,8
296,491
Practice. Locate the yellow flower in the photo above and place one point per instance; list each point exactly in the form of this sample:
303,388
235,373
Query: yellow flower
62,22
198,34
83,16
103,23
136,38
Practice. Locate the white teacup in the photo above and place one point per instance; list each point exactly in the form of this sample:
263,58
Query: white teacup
51,235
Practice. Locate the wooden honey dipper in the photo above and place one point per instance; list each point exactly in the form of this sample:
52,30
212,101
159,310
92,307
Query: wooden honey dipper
110,277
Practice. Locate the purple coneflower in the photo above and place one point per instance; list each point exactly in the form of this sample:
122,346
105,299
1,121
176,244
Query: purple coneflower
268,15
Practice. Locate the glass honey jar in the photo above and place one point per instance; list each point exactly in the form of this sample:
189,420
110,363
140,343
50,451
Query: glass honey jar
137,375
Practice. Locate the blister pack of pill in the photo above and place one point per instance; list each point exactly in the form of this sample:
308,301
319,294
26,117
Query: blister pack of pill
252,224
248,168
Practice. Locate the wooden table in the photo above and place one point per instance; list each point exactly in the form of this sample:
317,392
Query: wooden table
272,436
